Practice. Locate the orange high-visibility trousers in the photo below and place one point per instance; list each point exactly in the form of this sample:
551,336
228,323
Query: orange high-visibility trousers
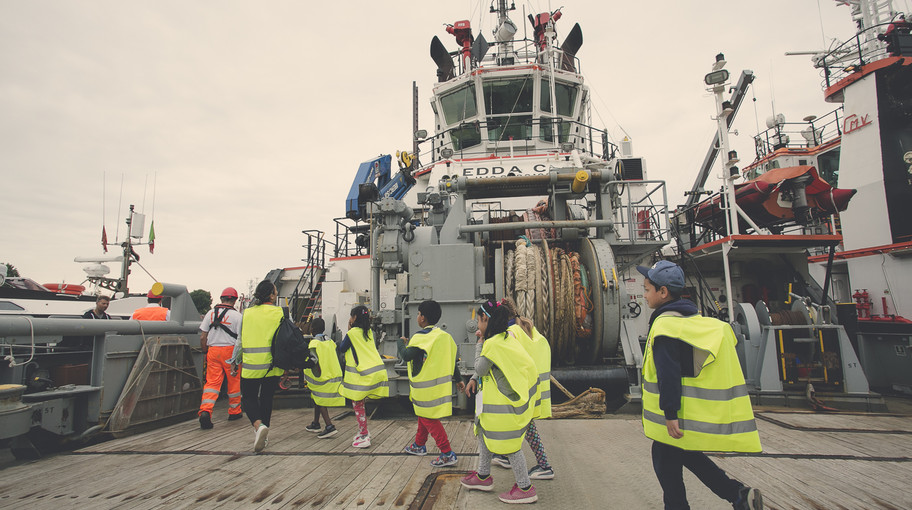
217,368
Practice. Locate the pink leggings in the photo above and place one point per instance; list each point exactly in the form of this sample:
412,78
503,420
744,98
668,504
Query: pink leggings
361,416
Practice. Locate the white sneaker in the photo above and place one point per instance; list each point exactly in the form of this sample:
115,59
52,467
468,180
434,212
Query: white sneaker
362,441
259,443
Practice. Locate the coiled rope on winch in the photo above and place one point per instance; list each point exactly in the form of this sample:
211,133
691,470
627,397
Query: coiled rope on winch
581,300
551,287
524,279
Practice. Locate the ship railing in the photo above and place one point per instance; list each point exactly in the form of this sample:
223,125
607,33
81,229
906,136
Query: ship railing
867,46
351,239
525,51
305,294
531,136
810,133
644,218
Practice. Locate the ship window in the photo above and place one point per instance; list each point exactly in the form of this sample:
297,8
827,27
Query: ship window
551,125
565,95
7,305
508,96
510,127
828,166
459,105
465,136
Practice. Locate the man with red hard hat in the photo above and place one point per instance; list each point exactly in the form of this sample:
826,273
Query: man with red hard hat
154,311
219,331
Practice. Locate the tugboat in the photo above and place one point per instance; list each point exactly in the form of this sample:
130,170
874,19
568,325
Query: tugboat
866,145
515,195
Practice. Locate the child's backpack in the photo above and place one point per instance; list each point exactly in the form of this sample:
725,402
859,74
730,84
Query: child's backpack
289,347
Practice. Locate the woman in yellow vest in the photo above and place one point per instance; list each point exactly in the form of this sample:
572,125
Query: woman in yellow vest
365,375
537,346
324,380
694,397
259,379
504,407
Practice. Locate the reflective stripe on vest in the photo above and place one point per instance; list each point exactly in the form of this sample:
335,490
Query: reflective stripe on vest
715,412
503,421
431,391
368,378
539,349
151,313
325,389
258,326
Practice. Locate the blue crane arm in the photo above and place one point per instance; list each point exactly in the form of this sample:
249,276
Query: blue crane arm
374,181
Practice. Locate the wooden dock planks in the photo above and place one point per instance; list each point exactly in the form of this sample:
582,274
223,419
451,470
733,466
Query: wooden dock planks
809,461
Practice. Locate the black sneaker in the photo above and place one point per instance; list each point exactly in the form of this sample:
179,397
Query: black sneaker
238,416
205,420
313,427
328,432
748,499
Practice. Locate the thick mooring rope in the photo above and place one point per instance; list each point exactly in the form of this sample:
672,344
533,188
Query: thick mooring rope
550,286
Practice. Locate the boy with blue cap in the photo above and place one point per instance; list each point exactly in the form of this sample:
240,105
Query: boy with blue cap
694,397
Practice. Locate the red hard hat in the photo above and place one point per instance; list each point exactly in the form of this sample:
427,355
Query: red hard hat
152,294
230,292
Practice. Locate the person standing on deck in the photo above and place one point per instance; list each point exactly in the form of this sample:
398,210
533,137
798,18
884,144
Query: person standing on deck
153,311
219,332
536,346
431,358
365,375
259,379
324,379
694,397
101,304
506,379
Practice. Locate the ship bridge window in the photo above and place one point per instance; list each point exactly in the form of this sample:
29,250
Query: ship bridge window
459,105
828,166
508,96
564,96
465,136
504,99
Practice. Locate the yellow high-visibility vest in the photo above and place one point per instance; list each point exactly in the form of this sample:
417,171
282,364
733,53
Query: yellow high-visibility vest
258,326
431,391
539,349
502,423
324,388
715,413
368,378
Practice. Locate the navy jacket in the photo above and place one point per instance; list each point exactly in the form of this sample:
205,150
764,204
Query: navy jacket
673,359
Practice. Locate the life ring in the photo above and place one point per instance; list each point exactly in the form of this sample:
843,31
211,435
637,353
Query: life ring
65,288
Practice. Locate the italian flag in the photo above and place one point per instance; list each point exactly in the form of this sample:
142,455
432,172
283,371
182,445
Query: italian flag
152,237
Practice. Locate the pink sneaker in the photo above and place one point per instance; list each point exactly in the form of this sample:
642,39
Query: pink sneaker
473,482
517,495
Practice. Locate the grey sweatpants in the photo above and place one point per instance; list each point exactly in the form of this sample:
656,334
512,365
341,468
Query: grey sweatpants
517,462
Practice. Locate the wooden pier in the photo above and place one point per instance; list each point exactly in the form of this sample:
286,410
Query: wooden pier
851,461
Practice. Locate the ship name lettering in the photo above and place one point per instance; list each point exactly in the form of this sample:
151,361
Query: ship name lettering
854,122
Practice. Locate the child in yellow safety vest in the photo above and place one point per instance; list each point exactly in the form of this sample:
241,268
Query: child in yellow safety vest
365,375
507,380
431,357
323,380
537,346
694,398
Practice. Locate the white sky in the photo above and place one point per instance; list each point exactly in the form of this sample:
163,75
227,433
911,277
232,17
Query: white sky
252,117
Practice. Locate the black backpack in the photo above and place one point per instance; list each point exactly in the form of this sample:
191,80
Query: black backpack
290,348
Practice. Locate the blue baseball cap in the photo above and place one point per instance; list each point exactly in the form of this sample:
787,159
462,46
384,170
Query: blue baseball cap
664,274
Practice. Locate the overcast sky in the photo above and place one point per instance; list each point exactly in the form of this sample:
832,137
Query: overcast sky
251,117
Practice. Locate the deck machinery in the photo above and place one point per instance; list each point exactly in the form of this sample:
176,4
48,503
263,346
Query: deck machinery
461,256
